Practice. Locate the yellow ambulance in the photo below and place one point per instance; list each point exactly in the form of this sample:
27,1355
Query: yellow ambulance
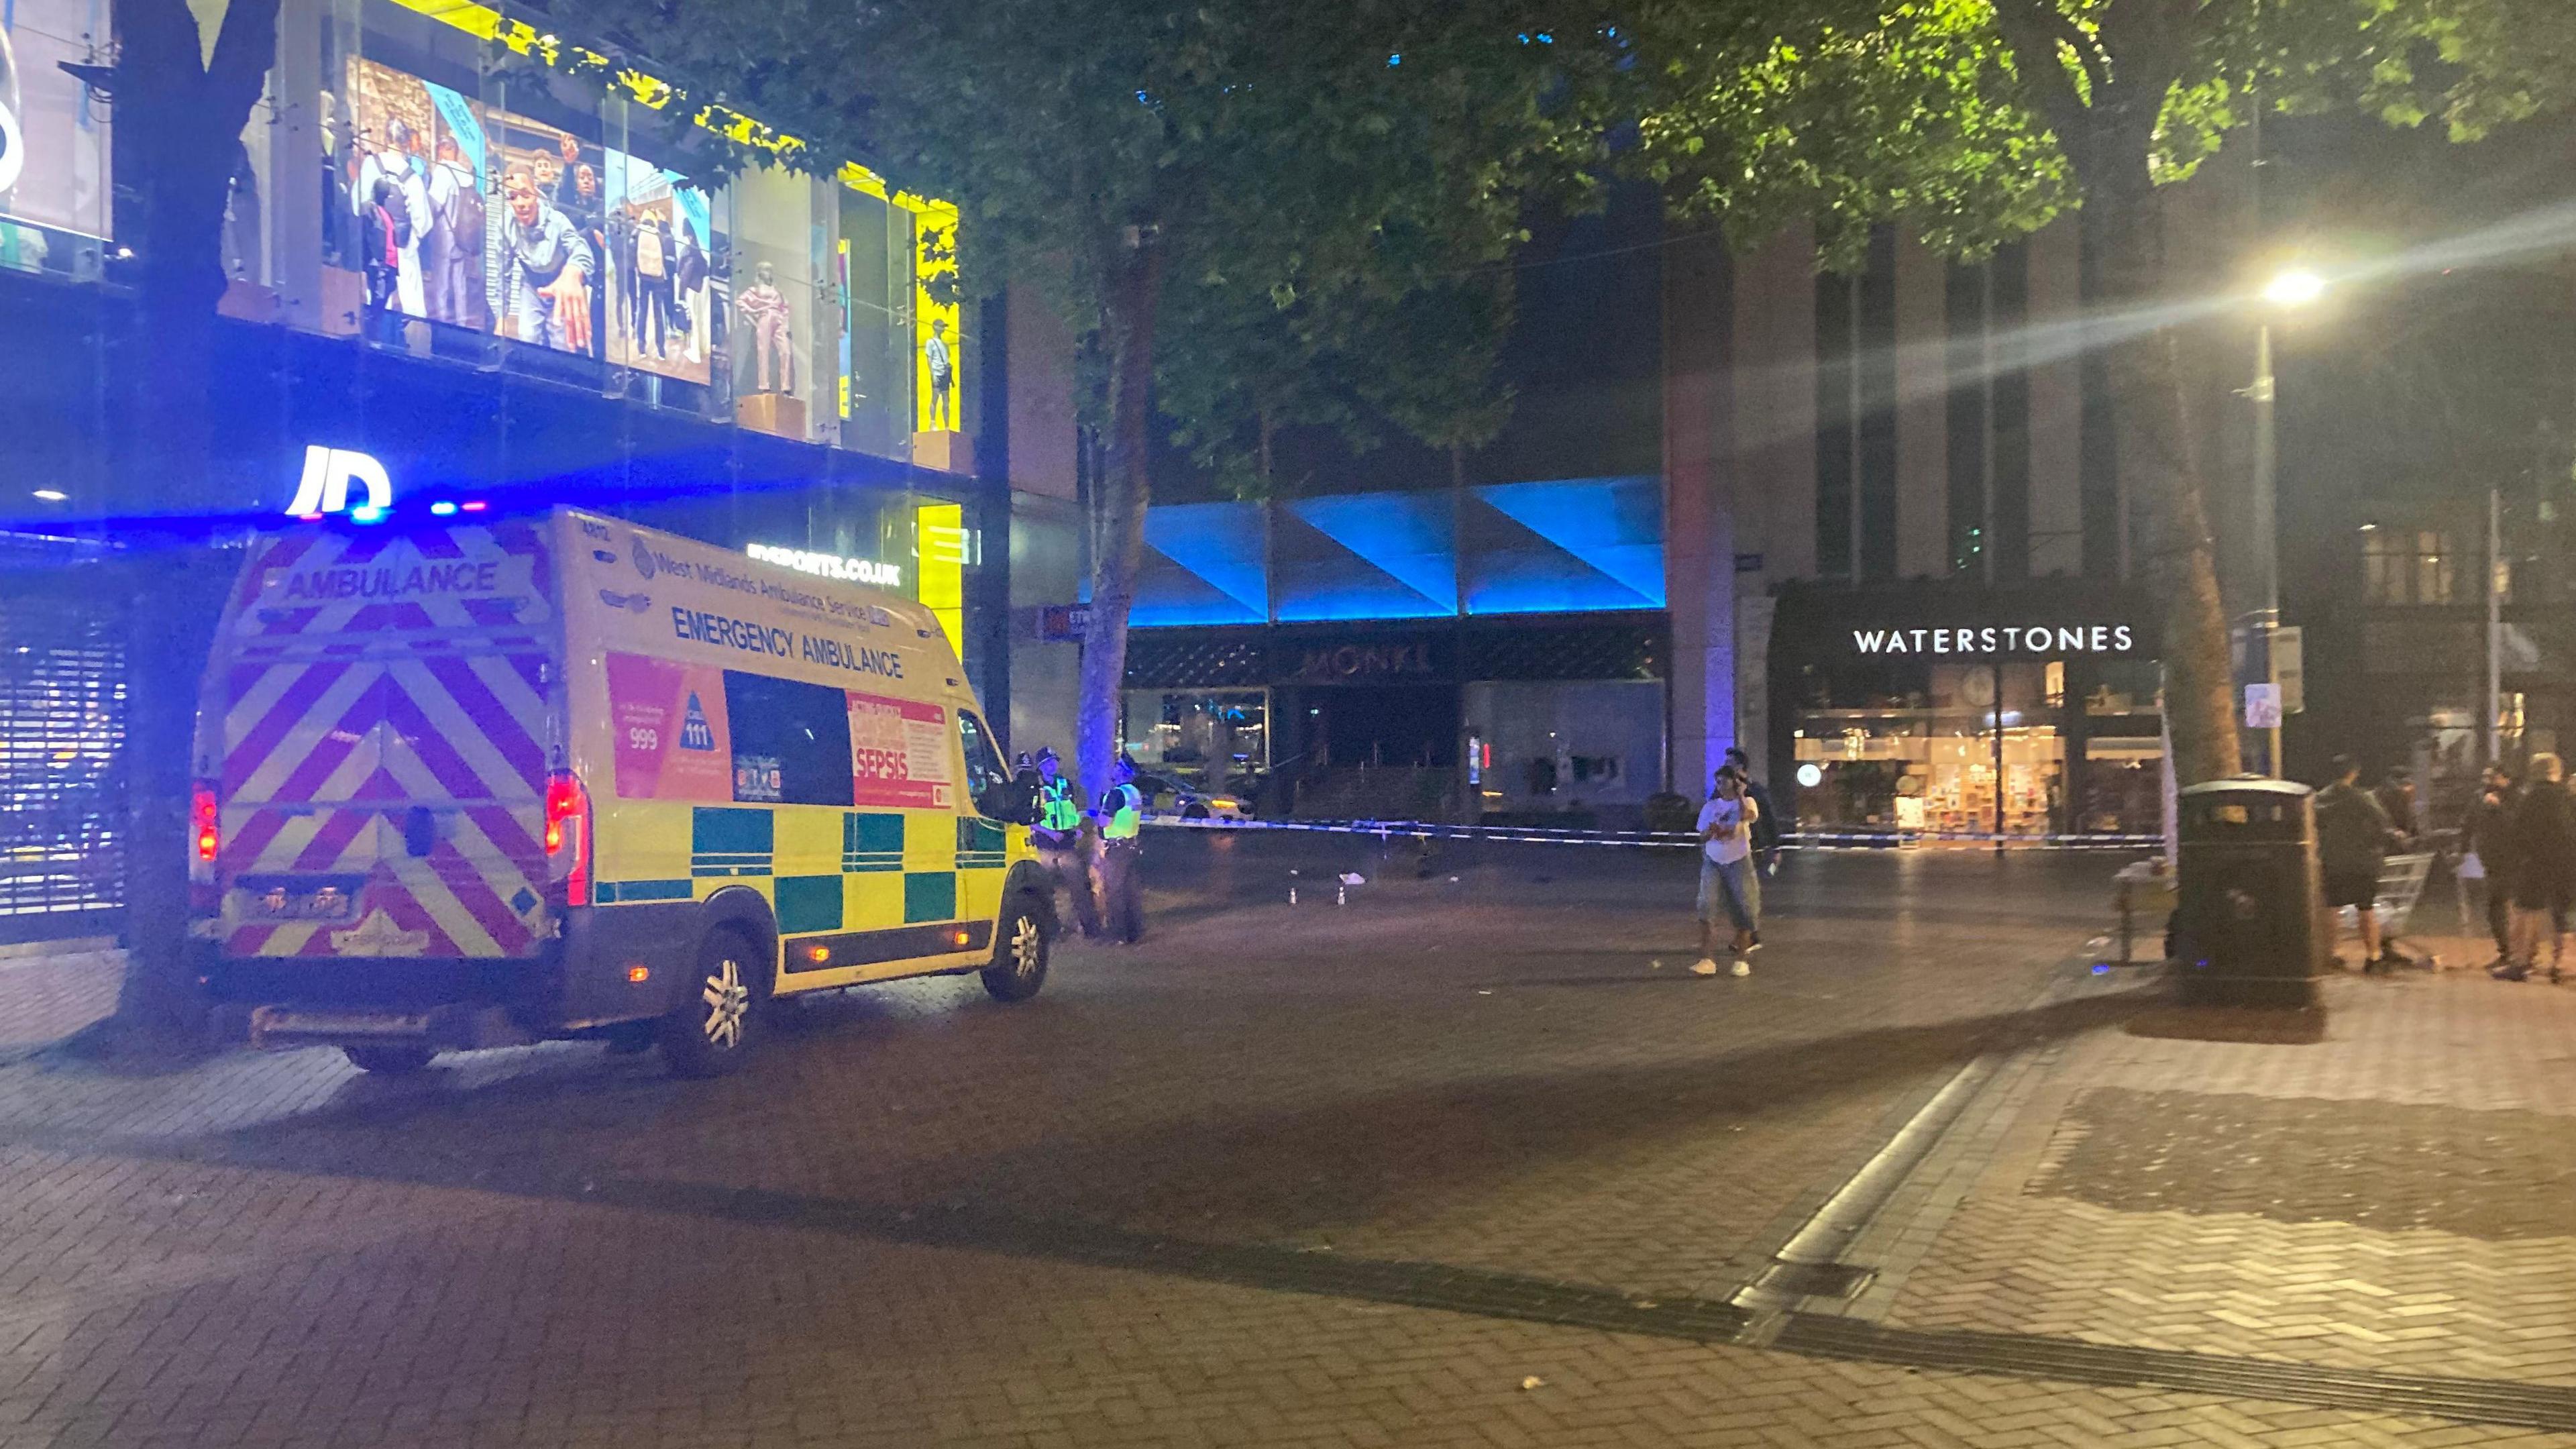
480,782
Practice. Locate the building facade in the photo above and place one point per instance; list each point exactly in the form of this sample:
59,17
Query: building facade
1900,553
1887,553
461,287
1463,653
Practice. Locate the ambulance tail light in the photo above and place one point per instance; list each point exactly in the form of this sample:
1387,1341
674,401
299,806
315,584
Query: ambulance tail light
568,836
205,833
205,842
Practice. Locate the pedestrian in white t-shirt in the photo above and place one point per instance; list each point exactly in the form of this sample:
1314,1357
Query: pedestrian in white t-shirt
1726,855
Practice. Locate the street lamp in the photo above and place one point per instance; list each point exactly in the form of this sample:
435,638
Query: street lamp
2296,287
2287,291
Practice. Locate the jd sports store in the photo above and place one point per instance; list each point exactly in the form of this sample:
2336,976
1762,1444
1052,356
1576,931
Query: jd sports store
1932,708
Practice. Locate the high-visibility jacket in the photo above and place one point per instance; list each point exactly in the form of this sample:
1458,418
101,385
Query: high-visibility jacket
1057,810
1124,805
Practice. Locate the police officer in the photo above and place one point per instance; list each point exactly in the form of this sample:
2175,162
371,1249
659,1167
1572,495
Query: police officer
1058,837
1121,816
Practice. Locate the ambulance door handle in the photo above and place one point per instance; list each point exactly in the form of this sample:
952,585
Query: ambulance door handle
420,831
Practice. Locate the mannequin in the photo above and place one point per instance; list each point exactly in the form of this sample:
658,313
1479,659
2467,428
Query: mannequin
763,309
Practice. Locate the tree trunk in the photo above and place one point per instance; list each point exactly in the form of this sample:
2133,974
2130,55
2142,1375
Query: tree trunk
2131,59
2160,459
1133,294
178,120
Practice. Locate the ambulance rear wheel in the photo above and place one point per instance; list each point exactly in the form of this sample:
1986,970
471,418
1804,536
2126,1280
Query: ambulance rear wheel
1019,953
391,1059
712,1031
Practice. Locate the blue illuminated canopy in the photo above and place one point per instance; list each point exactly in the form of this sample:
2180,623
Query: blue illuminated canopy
1577,545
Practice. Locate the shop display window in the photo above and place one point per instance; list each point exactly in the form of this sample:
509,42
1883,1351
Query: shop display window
873,272
1932,747
500,214
56,183
773,303
1542,747
1213,742
509,216
668,250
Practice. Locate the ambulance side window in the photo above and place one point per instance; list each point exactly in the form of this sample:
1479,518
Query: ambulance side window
988,780
791,741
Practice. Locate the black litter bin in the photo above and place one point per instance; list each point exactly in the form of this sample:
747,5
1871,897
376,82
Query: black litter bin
2248,910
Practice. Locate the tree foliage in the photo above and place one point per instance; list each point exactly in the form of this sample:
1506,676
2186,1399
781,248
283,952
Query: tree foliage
1933,113
1229,200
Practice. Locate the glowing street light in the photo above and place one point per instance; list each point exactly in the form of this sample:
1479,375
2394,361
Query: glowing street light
2297,287
2288,291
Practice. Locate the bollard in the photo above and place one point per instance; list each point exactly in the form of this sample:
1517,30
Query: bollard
1341,894
1292,887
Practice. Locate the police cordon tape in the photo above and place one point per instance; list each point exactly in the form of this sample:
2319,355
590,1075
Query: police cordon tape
1664,840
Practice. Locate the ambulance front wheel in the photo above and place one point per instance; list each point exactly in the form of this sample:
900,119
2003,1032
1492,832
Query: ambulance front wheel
713,1029
1019,953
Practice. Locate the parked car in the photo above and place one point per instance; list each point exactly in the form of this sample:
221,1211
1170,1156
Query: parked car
1165,795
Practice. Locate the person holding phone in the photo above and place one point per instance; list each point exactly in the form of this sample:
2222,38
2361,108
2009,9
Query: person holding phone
1726,864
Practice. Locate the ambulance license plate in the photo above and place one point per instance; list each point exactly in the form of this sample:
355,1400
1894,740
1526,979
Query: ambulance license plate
300,897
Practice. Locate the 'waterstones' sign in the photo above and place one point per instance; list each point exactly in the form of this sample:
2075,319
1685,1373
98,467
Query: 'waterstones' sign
2035,641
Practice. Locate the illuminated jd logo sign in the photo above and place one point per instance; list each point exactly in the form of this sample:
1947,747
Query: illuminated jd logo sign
328,472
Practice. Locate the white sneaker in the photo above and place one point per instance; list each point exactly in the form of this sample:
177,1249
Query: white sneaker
1704,967
1742,968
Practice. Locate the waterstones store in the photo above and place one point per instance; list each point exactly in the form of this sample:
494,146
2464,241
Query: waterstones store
1935,707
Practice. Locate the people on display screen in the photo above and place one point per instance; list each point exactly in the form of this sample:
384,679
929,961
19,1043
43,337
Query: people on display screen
546,296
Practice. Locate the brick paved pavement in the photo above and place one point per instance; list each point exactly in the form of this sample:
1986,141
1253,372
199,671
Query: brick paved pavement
421,1320
2395,1196
50,989
552,1247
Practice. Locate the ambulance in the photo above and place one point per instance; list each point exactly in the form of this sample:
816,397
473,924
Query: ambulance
481,783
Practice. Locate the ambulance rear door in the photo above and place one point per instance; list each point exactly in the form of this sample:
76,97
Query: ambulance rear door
378,730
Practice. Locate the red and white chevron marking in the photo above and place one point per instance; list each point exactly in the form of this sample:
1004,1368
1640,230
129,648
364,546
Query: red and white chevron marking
327,758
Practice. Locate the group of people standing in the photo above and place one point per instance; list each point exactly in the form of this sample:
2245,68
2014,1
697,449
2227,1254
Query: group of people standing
2521,854
1119,817
660,272
2522,836
419,238
420,225
1739,835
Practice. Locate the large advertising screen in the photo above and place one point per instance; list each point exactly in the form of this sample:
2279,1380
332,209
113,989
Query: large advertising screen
547,271
475,217
416,169
53,132
661,236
